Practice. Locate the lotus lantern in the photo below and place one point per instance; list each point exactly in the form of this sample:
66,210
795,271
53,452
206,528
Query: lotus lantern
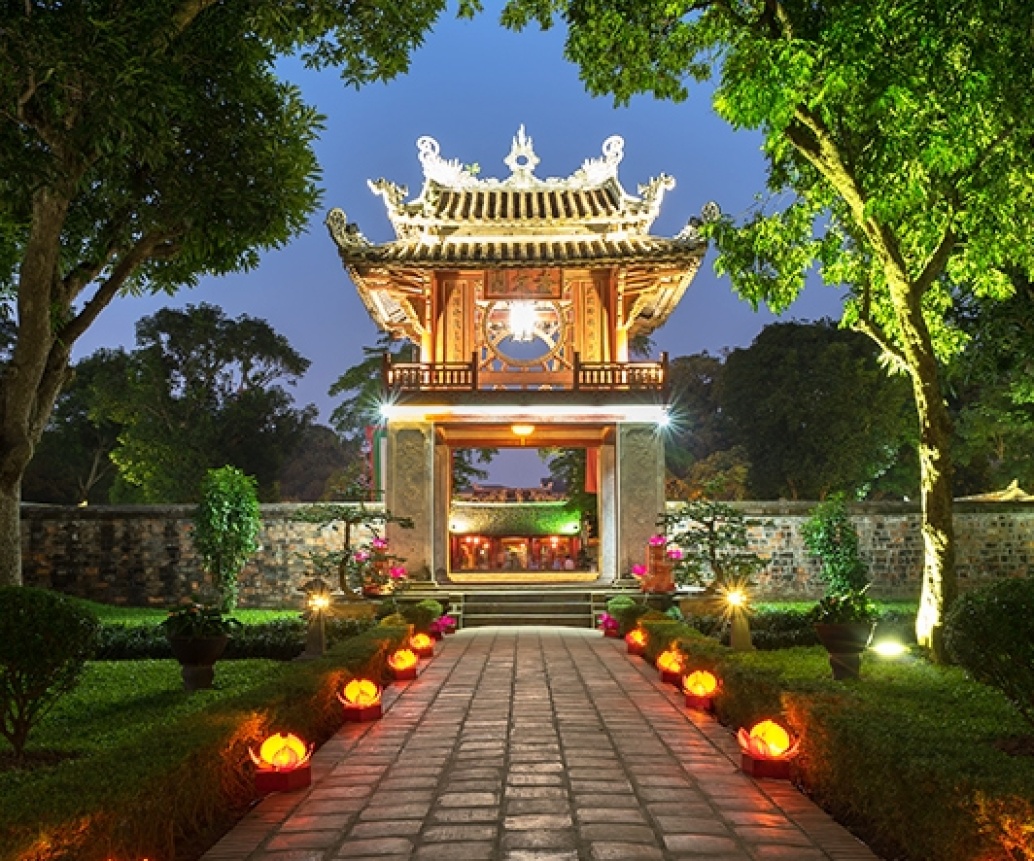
670,663
403,664
700,688
362,700
767,749
282,764
636,640
422,644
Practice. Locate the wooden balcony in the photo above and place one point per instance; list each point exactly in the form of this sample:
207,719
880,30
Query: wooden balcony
582,377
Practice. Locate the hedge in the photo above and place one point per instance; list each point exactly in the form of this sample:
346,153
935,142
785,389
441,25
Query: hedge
175,787
907,755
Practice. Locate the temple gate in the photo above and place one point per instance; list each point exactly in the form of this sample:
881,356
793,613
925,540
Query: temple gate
522,296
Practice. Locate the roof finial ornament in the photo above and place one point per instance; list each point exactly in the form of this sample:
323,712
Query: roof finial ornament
522,160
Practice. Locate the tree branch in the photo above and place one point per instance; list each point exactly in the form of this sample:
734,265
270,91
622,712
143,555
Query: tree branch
143,250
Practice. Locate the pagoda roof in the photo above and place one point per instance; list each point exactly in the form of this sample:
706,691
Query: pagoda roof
459,219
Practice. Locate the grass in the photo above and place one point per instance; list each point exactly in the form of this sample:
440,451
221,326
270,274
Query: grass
113,615
910,755
143,769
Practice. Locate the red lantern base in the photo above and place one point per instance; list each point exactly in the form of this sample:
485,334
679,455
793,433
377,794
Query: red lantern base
424,653
268,780
358,714
633,649
611,632
777,769
404,675
671,677
700,702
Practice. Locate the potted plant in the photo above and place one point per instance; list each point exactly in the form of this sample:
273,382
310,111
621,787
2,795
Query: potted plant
198,634
845,617
844,624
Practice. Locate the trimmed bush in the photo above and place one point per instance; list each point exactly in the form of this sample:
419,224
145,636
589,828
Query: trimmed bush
990,633
422,614
45,641
169,789
627,611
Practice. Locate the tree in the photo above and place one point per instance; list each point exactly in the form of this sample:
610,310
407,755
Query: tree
72,464
144,146
317,464
815,412
898,144
202,391
362,386
226,528
698,429
992,393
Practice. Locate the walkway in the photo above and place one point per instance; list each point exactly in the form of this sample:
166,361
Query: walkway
536,744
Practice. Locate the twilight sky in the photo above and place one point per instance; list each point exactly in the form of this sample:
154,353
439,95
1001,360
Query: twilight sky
470,86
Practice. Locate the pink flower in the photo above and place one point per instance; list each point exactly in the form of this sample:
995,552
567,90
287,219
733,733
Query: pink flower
675,553
658,540
379,544
397,572
638,570
361,556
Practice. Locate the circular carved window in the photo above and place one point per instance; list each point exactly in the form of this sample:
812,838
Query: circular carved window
524,333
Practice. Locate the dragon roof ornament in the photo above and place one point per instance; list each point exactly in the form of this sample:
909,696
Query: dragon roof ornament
522,161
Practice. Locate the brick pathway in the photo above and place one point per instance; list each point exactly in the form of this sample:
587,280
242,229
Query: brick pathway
535,744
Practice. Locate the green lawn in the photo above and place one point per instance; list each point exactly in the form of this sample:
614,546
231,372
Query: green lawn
109,614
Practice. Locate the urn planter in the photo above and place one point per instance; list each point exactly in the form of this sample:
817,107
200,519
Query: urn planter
845,642
197,656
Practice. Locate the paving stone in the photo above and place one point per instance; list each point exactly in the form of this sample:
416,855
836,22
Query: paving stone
536,744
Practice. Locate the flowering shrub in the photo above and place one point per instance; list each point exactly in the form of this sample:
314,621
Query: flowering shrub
608,623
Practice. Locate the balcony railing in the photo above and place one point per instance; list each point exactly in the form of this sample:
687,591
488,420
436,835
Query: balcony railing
583,376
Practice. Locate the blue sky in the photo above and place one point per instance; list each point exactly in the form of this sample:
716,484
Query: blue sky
470,86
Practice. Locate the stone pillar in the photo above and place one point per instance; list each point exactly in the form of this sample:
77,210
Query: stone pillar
442,497
410,493
639,492
608,515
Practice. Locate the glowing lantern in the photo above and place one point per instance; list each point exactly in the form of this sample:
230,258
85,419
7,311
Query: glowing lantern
422,644
700,687
766,750
362,700
670,664
282,764
636,641
403,663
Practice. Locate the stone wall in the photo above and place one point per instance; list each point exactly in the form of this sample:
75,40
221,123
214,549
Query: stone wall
143,555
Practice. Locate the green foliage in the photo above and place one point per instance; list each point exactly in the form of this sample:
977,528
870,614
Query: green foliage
627,611
226,527
831,537
158,774
278,639
896,144
990,633
362,558
421,614
198,620
45,641
844,607
865,749
202,390
712,539
814,411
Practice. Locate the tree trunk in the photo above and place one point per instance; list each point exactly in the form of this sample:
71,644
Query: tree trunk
935,474
31,380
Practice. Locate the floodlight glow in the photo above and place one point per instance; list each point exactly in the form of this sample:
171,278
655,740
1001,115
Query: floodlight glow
889,648
736,598
522,321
